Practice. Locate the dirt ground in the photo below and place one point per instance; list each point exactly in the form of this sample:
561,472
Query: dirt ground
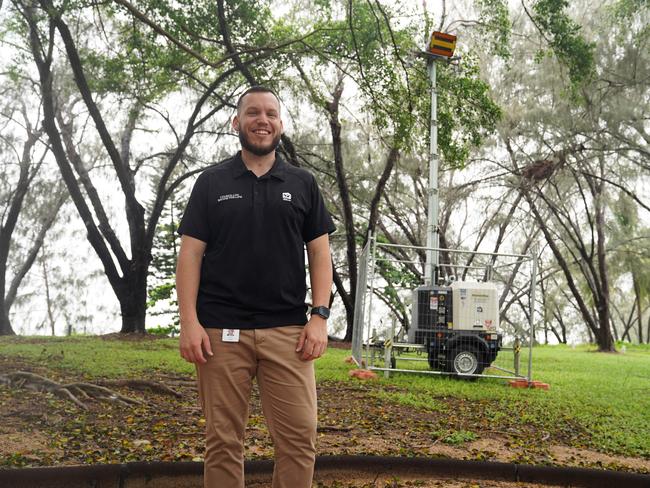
393,482
38,429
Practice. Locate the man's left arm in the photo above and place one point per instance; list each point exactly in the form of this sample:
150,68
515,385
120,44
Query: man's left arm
313,340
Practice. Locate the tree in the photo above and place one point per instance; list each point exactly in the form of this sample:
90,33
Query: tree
29,202
631,259
566,166
390,94
147,52
136,81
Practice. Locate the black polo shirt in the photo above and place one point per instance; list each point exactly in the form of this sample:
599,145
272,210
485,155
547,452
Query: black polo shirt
253,270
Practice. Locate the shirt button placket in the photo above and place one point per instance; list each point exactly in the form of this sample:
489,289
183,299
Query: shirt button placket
259,197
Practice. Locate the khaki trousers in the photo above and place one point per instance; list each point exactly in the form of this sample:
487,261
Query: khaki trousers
288,395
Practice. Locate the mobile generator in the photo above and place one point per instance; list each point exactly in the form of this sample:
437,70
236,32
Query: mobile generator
457,324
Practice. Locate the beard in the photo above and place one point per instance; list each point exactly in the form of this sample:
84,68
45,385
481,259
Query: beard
257,149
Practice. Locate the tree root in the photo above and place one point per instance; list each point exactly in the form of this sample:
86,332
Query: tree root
142,385
334,428
180,381
76,392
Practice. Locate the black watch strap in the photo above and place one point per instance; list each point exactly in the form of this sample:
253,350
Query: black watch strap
321,311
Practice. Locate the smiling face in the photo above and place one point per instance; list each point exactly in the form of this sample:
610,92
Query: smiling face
258,123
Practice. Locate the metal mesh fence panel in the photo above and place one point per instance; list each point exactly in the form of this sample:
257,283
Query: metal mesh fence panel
360,305
475,320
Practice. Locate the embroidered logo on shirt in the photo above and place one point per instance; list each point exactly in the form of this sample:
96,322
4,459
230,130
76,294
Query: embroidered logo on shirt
229,196
286,196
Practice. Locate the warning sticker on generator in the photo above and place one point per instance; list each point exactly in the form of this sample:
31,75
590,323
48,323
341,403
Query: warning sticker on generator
433,302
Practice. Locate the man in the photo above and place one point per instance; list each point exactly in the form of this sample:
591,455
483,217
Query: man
241,292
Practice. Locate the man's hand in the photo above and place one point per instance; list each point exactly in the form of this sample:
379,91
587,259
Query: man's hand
193,342
313,339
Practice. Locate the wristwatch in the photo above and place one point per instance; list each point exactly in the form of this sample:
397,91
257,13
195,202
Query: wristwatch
321,311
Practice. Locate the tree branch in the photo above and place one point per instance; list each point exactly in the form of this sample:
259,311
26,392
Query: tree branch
95,200
392,157
135,210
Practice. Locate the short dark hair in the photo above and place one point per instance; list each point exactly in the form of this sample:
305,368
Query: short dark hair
256,89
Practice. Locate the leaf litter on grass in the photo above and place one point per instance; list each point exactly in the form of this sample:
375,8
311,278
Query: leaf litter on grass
354,418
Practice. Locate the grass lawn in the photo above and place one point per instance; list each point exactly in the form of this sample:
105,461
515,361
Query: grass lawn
608,394
596,401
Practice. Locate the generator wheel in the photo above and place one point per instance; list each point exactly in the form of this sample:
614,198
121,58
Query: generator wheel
466,360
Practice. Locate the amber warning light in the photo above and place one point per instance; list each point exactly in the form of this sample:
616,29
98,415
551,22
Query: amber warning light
442,44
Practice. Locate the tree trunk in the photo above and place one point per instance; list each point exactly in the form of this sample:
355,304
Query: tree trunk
561,339
391,159
5,324
614,330
560,321
132,294
48,300
348,218
592,264
133,310
591,336
10,216
639,314
605,339
127,276
627,323
347,303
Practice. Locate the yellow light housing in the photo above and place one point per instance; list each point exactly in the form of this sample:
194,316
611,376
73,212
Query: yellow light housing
442,44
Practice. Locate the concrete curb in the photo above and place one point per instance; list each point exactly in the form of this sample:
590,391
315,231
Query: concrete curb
188,474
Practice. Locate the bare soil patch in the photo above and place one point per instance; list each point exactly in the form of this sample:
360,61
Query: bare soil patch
584,457
385,481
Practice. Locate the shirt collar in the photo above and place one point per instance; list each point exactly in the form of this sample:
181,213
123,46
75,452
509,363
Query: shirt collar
278,170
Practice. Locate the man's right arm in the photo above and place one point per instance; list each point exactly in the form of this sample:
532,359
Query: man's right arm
194,340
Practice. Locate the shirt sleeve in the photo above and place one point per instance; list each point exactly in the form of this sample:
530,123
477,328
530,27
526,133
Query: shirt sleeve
318,220
195,221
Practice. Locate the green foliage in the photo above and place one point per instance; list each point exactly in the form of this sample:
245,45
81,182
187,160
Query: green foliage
466,112
138,67
375,56
411,399
627,256
379,57
496,25
168,331
456,437
248,19
162,272
135,60
396,277
630,20
628,9
565,39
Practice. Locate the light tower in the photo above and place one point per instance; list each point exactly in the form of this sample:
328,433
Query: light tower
441,48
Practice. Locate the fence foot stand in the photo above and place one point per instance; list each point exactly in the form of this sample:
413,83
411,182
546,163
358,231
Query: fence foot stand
524,383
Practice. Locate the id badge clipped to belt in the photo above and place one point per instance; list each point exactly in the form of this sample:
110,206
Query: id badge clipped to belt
230,335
